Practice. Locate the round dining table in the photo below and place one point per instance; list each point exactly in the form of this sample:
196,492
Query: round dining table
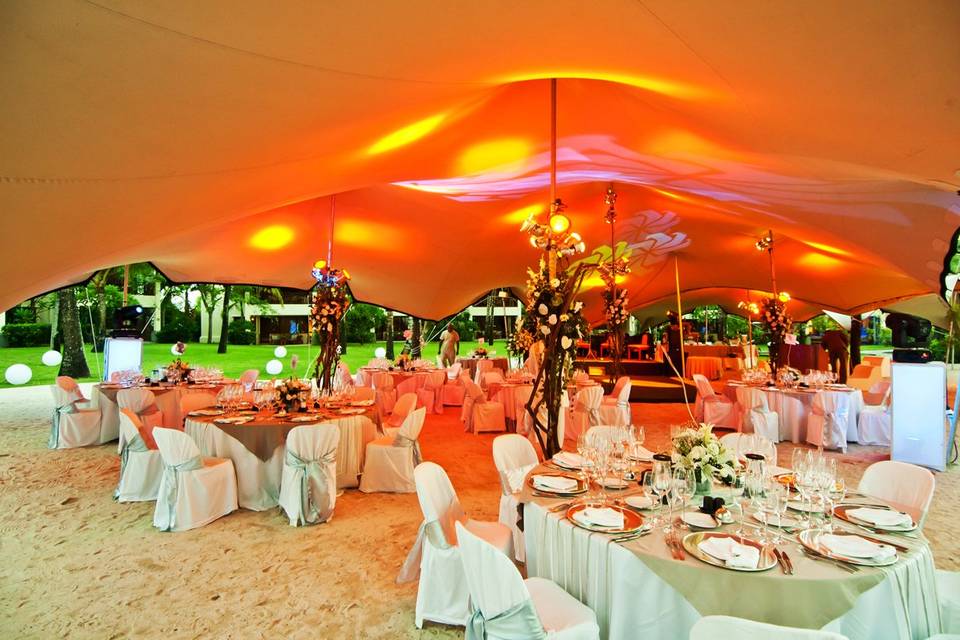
168,397
403,381
638,589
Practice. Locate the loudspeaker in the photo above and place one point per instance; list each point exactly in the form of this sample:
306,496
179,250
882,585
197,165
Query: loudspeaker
909,332
912,355
128,322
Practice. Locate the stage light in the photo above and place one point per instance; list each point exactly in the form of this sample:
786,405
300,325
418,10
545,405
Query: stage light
559,223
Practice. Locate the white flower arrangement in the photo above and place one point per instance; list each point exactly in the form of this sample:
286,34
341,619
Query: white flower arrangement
699,449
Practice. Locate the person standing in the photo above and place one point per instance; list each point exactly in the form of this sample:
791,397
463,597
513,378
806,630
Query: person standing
449,346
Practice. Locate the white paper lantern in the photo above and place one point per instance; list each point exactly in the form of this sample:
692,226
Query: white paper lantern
51,358
380,352
280,352
274,367
174,351
18,374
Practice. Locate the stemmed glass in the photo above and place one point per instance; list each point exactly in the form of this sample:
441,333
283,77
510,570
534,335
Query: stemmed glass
738,499
652,488
684,484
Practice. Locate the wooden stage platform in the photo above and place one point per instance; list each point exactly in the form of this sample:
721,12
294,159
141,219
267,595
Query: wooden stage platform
652,381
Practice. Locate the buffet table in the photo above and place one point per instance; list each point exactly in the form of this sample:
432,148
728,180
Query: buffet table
637,589
257,449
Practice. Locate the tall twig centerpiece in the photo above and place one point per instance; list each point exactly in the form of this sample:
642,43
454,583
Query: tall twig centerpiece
614,299
330,304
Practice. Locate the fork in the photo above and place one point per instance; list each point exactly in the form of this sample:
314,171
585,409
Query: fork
817,556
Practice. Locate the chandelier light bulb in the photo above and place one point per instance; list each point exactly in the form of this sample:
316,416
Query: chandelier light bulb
559,223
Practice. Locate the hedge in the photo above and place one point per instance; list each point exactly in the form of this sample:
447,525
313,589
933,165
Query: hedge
27,335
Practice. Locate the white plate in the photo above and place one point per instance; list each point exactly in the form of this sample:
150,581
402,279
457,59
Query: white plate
640,502
615,483
700,520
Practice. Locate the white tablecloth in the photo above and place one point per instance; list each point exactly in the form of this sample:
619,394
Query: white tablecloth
632,601
168,402
793,407
258,481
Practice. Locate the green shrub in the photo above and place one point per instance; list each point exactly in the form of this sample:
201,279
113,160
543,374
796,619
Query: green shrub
241,332
178,329
27,335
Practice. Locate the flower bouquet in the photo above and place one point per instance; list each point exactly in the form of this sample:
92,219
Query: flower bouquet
292,394
177,370
480,352
403,361
699,449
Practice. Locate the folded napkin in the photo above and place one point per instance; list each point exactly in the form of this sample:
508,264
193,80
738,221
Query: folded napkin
881,517
642,454
601,517
569,459
236,420
856,547
515,477
555,483
731,552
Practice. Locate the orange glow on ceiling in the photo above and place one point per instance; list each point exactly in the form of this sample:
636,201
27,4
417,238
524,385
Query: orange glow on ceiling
369,235
506,154
518,216
406,135
828,249
677,141
271,238
671,195
595,281
819,261
649,83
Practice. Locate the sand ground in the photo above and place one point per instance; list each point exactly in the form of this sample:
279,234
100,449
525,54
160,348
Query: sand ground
75,563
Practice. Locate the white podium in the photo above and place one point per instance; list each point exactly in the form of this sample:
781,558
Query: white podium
919,408
122,354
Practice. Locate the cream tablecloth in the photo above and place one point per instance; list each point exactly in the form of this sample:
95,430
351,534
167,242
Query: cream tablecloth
168,402
639,591
258,480
793,406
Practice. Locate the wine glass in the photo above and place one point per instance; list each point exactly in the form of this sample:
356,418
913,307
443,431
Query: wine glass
684,483
736,496
652,489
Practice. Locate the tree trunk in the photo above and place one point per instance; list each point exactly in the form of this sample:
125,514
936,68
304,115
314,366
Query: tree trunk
415,350
488,325
225,320
855,323
74,362
389,336
210,325
98,339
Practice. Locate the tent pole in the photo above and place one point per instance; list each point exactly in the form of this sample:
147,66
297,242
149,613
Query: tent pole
683,358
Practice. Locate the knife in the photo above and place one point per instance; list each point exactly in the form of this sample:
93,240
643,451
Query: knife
781,561
789,562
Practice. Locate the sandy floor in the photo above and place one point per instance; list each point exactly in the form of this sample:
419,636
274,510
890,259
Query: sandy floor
76,563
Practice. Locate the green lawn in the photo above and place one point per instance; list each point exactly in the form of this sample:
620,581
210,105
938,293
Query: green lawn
237,359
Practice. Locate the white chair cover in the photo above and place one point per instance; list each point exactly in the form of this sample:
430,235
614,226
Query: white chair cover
391,460
712,408
442,595
615,408
874,424
143,403
504,605
483,365
828,420
453,371
494,376
524,420
364,393
405,404
756,416
948,594
485,415
741,444
906,485
194,491
70,425
141,468
514,457
585,412
249,379
430,395
343,377
308,486
722,627
385,393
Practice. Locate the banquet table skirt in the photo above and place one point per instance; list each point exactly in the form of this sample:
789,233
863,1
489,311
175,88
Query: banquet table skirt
470,364
258,481
793,407
709,366
168,402
621,583
507,394
403,381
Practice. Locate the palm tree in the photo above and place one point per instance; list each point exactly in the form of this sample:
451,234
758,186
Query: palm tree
210,295
389,336
74,363
224,320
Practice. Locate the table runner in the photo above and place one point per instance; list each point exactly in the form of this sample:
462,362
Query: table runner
636,586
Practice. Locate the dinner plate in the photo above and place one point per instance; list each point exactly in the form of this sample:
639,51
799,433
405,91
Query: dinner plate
206,412
632,521
306,419
691,542
581,485
614,483
700,520
640,502
559,462
811,540
841,512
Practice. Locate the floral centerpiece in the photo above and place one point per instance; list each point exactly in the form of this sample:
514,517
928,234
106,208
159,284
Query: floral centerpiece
522,338
699,449
479,352
773,312
292,393
330,304
403,361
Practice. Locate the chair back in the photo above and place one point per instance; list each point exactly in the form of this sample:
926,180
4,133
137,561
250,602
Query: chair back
623,395
483,366
492,377
137,400
513,456
343,374
494,583
405,404
249,378
191,401
435,380
364,393
618,386
66,391
382,381
907,485
704,389
751,398
589,398
130,427
474,391
413,423
645,339
175,446
741,444
438,499
714,627
453,372
314,442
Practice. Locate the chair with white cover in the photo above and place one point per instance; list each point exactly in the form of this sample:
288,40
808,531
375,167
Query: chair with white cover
948,594
430,395
308,485
194,491
453,391
143,403
505,606
364,394
878,392
741,444
390,460
442,595
72,426
453,371
907,486
405,404
386,394
615,408
249,379
585,412
141,467
484,415
483,365
863,377
827,422
712,408
492,377
874,424
514,457
755,413
717,627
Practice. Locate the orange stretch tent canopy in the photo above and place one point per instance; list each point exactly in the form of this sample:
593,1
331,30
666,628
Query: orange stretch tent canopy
209,138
